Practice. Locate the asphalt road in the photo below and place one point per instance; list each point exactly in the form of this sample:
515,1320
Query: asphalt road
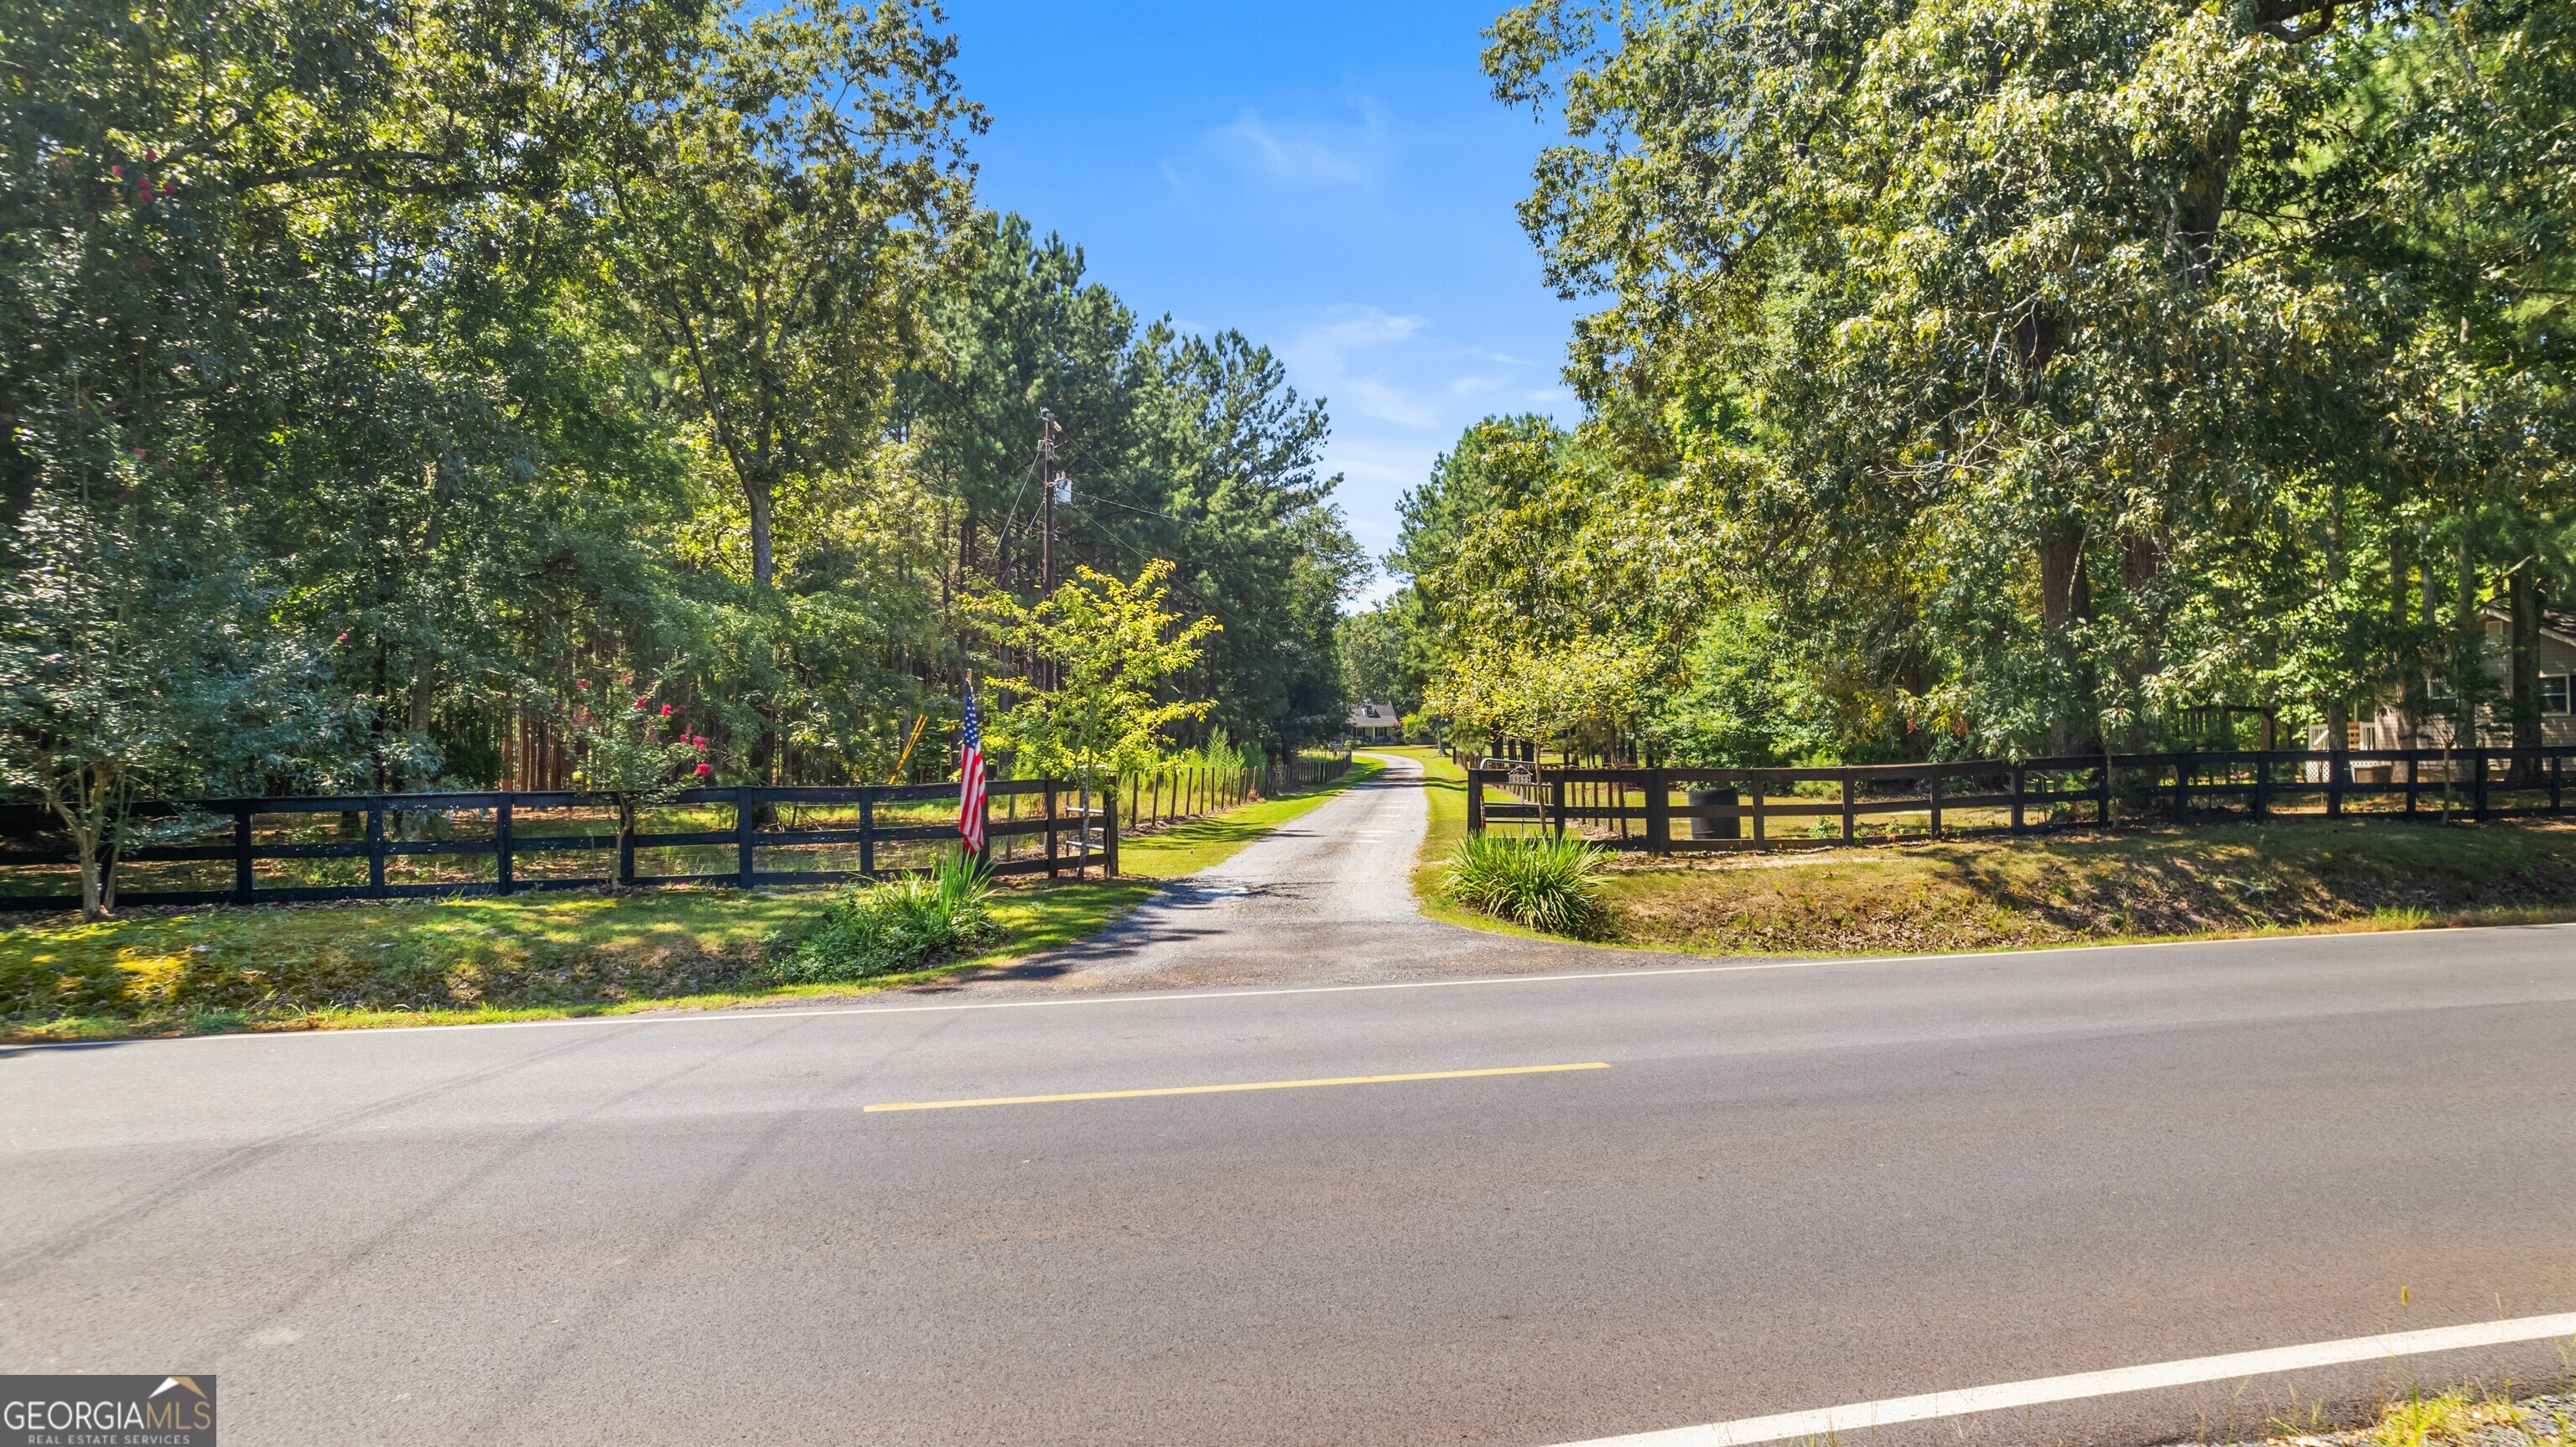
1792,1186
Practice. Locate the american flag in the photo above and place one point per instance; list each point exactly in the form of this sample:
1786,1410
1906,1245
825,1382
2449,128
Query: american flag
970,777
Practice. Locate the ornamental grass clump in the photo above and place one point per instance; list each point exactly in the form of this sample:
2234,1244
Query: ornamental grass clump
1550,883
889,926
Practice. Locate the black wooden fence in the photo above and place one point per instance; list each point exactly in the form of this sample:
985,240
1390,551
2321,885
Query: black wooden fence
1051,817
1748,808
490,834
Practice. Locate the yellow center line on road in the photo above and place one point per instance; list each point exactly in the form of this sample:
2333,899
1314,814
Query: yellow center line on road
1246,1085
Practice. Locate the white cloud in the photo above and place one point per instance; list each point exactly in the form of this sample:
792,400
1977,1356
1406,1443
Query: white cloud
1400,390
1334,359
1302,151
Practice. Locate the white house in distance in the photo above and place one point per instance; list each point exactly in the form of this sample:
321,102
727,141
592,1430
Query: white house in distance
2390,729
1377,723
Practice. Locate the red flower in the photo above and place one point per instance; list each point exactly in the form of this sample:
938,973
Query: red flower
643,704
698,743
581,683
666,710
343,638
117,171
705,769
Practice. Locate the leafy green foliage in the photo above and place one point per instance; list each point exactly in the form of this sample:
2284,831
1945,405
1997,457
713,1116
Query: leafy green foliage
904,923
1107,650
385,371
2035,370
1551,883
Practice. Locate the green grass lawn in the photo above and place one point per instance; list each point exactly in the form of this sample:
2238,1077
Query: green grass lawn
2092,887
526,957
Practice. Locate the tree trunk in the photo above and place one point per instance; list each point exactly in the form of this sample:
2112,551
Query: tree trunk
94,904
2524,672
758,493
90,819
2401,579
2066,600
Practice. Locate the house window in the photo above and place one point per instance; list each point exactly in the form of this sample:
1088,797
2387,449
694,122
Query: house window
2352,733
2553,694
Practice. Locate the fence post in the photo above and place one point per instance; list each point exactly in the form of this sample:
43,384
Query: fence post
376,847
2478,784
746,819
2017,825
1757,790
2262,785
2557,772
2102,810
1847,806
1659,812
1475,801
2338,765
2182,789
505,877
241,857
1934,791
2414,766
868,833
1050,829
626,854
1109,833
1556,804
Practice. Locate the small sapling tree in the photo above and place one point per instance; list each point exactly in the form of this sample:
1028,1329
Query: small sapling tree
629,751
1112,646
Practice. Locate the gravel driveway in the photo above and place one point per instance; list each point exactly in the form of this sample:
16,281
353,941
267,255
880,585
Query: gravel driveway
1325,899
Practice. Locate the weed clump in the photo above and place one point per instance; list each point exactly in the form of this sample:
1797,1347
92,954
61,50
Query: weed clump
1551,884
886,926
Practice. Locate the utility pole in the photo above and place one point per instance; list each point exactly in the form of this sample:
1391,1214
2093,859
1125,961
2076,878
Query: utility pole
1048,431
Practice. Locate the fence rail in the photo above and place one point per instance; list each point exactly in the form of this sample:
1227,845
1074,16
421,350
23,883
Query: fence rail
883,819
1745,808
507,848
1167,796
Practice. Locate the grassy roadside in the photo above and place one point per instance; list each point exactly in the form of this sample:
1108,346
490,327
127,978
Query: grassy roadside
2122,886
529,957
2472,1416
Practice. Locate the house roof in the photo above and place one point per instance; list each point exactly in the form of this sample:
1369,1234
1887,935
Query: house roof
1375,716
2558,621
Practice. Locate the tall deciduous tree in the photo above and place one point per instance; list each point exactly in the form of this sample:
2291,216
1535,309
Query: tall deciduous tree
2069,357
773,219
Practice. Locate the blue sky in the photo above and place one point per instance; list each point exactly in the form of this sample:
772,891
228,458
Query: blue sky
1333,180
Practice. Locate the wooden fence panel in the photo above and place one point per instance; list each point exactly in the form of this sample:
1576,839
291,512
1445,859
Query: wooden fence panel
2033,794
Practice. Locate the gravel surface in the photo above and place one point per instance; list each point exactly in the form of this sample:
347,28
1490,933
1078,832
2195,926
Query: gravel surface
2548,1421
1326,898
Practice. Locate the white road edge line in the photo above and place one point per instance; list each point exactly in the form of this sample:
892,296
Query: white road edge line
1860,1416
758,1014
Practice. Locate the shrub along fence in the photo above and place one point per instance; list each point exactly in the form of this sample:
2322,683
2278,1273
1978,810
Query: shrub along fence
1783,808
390,846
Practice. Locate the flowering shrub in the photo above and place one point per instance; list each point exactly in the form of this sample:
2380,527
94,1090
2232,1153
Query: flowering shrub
629,756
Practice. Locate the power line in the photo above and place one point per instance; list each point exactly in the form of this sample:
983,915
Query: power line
1191,592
